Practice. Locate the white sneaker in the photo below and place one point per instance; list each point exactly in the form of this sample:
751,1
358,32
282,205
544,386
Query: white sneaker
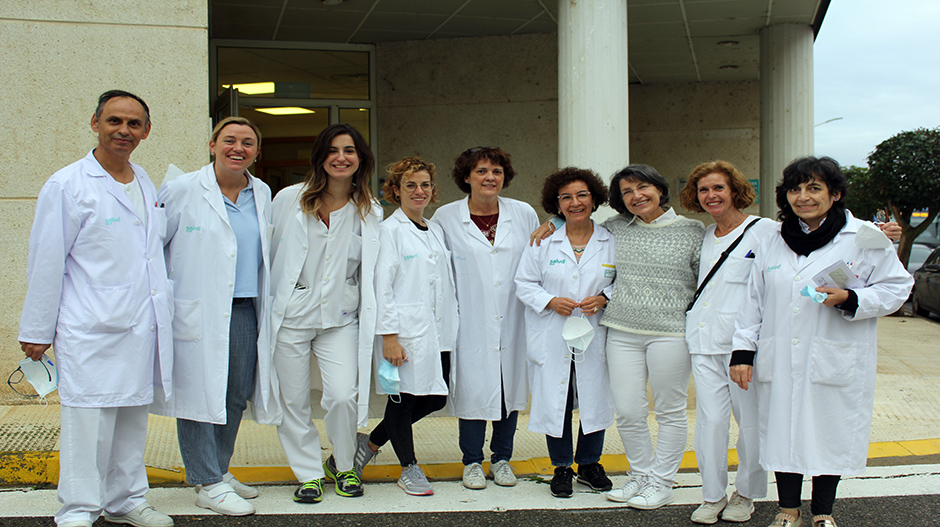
628,490
143,516
502,474
224,500
473,476
708,512
76,523
245,491
652,496
739,509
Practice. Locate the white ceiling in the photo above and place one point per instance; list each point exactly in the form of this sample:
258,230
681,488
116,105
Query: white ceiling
669,40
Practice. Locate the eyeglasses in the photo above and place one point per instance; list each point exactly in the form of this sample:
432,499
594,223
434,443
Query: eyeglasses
629,192
583,195
410,186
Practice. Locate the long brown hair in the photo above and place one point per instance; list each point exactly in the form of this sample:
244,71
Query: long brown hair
315,183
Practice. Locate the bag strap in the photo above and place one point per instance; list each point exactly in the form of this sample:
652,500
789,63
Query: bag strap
724,256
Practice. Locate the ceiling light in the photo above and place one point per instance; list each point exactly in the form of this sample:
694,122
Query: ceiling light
728,43
252,88
332,2
729,67
284,110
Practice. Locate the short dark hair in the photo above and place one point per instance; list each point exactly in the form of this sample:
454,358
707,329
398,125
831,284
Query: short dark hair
559,179
114,94
803,169
642,173
470,158
742,192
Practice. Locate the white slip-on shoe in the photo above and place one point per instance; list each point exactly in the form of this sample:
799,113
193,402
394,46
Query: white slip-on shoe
76,523
223,499
245,491
473,476
143,516
707,513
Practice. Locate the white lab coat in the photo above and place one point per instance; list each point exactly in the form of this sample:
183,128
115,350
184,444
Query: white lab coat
546,272
814,370
200,254
491,334
416,300
288,253
98,290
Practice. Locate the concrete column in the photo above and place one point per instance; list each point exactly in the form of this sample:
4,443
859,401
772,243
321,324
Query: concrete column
593,116
786,106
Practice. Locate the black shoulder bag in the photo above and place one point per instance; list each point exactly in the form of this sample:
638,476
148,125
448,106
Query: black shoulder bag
724,256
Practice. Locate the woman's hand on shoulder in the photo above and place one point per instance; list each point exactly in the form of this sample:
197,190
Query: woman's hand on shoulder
544,231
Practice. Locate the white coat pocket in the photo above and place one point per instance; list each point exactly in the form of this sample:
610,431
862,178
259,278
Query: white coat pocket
764,360
158,218
413,320
109,309
832,363
187,321
737,269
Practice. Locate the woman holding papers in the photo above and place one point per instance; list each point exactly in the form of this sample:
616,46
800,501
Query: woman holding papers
811,359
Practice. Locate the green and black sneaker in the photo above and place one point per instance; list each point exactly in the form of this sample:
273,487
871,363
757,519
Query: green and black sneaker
309,492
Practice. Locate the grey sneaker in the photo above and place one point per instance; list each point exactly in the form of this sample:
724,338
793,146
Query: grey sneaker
473,476
502,474
707,513
413,481
364,453
628,490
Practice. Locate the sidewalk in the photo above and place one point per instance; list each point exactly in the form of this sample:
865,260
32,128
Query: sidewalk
906,424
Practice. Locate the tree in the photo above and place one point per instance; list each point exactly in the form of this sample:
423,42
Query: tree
904,171
859,199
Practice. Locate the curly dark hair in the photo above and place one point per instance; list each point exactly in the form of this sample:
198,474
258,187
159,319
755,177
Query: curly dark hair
741,189
467,161
405,169
559,179
643,173
804,169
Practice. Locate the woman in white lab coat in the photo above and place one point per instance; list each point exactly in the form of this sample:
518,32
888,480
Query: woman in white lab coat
217,251
720,189
486,235
569,276
323,254
813,364
417,322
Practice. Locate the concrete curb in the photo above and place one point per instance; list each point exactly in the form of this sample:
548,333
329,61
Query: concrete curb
42,468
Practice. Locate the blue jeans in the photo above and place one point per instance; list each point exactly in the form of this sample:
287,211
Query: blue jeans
589,445
207,448
473,434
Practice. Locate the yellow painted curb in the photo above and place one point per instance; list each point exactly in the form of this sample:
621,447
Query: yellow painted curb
42,468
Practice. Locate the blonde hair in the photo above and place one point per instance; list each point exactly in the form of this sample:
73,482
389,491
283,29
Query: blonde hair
402,169
742,191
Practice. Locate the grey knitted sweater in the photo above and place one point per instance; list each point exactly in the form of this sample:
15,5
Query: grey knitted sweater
657,272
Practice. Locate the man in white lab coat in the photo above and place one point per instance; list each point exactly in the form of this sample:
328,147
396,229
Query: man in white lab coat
98,291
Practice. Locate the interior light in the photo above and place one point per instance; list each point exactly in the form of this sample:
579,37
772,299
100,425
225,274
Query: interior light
284,110
252,88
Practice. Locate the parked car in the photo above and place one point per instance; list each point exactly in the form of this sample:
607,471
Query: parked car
919,254
927,286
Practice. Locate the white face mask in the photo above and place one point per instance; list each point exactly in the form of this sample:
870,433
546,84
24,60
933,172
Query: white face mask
578,334
389,379
41,374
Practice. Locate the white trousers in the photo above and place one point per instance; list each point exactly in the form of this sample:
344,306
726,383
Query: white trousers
716,399
336,351
633,360
101,461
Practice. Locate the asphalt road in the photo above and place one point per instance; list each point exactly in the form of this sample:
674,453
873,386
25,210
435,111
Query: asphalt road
910,511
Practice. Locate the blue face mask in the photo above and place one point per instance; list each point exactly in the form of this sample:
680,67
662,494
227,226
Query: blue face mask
41,374
389,379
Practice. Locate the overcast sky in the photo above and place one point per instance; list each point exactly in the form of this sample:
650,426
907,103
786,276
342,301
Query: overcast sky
877,66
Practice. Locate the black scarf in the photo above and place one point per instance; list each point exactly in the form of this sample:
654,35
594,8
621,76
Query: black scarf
802,243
